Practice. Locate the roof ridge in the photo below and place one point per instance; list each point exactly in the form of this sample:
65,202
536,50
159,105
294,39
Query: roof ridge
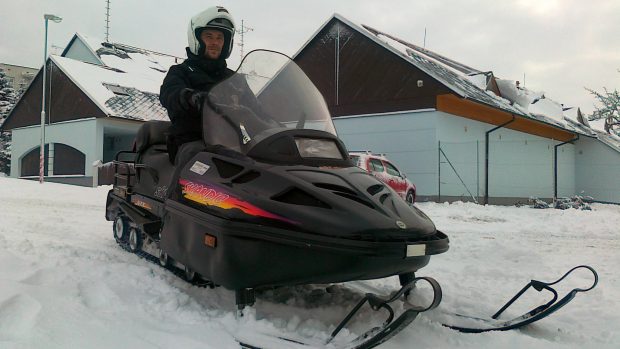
443,59
136,49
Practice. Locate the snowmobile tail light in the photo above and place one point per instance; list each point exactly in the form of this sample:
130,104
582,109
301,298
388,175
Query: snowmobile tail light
317,148
416,250
210,240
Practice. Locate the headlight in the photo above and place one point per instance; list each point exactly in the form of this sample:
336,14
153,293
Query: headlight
318,148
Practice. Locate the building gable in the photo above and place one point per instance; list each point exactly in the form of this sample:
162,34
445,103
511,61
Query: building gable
358,76
64,102
79,50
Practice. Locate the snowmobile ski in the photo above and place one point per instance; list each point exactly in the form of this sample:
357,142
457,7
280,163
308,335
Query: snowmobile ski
370,338
533,315
493,323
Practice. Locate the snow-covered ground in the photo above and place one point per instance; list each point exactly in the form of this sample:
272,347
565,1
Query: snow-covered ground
64,283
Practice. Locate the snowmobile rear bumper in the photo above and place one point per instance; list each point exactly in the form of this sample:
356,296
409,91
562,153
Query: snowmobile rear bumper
240,255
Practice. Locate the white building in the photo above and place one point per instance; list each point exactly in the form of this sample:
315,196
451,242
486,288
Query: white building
98,95
458,133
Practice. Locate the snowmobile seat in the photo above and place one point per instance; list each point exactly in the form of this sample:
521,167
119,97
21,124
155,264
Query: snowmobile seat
154,169
151,133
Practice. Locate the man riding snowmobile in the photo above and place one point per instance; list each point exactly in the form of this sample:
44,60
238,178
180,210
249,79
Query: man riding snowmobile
266,196
210,37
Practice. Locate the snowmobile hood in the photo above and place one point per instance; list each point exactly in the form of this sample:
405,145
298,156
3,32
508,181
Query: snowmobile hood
330,201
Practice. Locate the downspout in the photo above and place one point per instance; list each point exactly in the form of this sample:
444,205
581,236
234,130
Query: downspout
486,159
439,172
555,166
337,77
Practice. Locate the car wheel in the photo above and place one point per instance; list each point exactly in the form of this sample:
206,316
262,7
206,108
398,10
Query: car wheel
410,198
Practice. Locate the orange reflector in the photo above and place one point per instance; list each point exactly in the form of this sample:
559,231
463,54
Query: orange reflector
210,240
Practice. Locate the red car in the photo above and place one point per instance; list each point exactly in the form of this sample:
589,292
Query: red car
386,172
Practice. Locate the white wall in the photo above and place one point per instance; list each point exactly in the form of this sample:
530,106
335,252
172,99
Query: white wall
408,139
85,135
79,134
520,165
598,170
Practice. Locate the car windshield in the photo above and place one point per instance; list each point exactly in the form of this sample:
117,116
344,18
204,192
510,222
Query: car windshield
268,94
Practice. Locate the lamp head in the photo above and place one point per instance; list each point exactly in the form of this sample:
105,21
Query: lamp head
52,18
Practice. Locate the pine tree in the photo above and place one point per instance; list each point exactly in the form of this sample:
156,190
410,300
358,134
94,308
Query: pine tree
7,101
608,109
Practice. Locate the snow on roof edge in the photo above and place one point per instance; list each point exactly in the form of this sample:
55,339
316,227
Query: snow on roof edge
454,88
59,64
463,94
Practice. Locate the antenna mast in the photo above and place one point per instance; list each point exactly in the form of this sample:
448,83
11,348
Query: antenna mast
107,21
243,30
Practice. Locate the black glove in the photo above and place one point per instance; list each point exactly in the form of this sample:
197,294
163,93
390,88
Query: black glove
191,99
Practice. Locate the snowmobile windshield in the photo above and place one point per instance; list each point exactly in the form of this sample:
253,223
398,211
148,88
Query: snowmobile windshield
268,94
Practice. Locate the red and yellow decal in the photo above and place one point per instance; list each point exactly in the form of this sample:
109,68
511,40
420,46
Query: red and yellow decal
210,195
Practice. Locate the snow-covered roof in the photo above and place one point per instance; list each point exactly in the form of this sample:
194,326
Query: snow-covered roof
611,140
472,83
126,84
96,81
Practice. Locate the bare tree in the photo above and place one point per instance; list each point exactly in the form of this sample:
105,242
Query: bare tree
608,108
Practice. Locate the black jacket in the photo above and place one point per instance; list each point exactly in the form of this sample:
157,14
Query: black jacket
196,73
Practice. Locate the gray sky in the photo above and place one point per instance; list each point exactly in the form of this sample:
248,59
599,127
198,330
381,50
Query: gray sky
560,45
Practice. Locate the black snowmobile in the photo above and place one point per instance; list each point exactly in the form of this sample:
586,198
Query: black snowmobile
269,198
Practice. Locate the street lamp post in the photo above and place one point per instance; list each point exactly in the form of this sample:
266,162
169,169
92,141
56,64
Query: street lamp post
42,152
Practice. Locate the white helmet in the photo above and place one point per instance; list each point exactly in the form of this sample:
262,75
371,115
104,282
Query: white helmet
216,17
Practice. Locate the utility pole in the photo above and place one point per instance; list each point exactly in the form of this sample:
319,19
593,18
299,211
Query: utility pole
243,30
107,21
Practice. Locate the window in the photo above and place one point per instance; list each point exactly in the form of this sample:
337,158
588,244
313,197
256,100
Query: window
68,160
117,90
391,169
30,162
376,165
